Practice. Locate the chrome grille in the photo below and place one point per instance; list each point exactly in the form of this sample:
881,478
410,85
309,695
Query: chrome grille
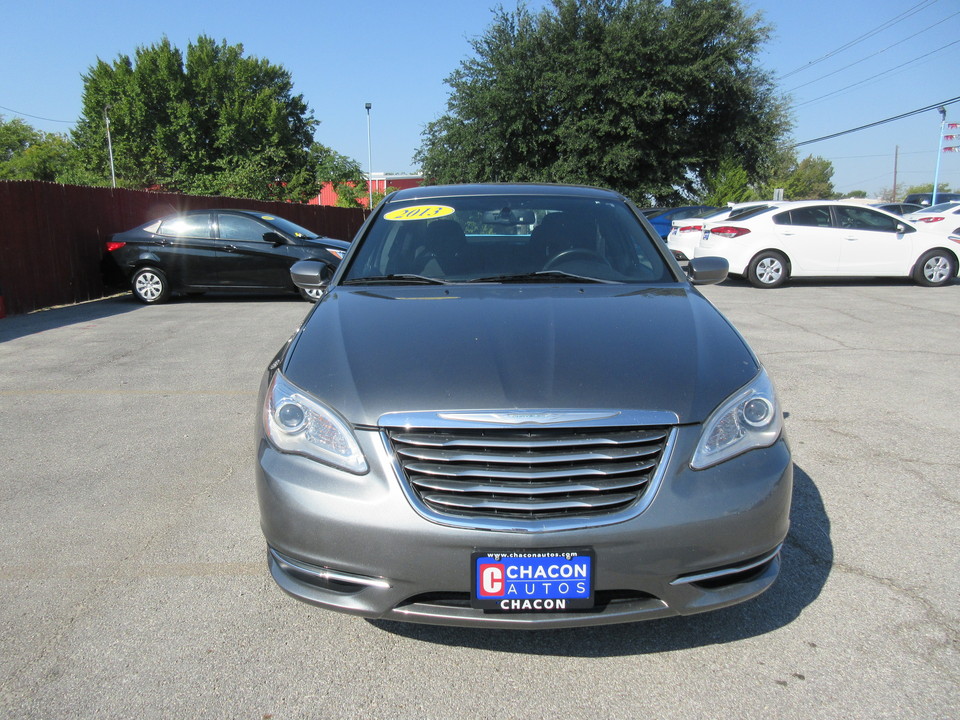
531,473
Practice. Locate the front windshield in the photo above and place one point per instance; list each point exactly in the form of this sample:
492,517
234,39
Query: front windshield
507,238
290,228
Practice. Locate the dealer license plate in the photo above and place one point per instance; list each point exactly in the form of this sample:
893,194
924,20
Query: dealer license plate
532,580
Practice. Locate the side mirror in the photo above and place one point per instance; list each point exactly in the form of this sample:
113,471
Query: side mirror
275,238
311,274
708,270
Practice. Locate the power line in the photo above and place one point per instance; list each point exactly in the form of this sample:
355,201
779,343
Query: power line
883,155
36,117
878,52
923,5
951,101
924,57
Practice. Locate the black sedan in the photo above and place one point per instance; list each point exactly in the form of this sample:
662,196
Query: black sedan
207,250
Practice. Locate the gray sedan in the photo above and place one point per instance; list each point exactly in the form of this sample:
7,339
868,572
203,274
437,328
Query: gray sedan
512,408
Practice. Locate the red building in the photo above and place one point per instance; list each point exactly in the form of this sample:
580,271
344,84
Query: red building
379,182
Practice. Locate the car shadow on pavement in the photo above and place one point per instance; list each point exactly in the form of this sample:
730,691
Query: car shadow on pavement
17,326
807,561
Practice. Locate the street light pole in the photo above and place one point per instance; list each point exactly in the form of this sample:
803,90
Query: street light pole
369,161
936,175
106,120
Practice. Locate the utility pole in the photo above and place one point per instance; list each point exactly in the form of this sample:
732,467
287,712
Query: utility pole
936,175
106,120
367,106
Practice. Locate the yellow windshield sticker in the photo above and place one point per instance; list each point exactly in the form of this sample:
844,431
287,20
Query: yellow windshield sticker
419,212
267,217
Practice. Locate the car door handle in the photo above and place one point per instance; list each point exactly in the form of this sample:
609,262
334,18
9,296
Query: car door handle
229,248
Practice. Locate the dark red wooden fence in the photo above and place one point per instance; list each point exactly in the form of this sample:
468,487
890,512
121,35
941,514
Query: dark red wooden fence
52,236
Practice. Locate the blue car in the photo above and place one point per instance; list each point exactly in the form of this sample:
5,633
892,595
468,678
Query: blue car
661,218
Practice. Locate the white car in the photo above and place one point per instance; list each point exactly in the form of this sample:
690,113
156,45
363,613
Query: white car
685,234
942,217
820,238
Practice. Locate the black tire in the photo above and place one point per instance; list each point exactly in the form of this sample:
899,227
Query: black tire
935,268
769,269
150,286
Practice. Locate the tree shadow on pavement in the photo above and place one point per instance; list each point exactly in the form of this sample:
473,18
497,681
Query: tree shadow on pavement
807,561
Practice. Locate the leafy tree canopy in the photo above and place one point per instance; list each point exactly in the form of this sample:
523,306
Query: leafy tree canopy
29,154
214,122
927,188
807,179
889,195
646,96
729,183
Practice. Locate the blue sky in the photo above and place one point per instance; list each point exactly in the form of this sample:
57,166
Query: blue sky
396,56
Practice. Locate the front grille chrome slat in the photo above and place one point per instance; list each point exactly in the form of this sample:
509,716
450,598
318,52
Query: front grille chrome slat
448,440
527,506
524,472
543,458
535,489
528,474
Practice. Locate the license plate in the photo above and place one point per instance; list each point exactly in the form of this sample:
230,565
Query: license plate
532,581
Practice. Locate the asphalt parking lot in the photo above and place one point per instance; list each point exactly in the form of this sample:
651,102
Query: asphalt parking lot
133,575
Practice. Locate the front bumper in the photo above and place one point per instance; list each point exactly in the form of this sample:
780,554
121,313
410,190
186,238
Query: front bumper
355,544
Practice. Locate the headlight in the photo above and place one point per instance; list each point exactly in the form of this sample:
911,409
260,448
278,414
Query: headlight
298,424
750,418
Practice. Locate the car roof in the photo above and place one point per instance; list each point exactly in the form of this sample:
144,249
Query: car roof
200,211
479,189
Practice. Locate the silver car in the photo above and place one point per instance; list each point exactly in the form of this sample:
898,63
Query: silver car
512,408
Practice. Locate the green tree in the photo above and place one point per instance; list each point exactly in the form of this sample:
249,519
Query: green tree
927,188
810,179
213,122
729,183
350,194
349,180
29,154
646,96
807,179
378,196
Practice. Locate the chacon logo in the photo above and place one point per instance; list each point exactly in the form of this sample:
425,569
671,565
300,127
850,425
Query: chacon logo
527,417
492,580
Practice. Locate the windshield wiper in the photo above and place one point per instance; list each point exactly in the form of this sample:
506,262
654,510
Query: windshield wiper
542,276
396,279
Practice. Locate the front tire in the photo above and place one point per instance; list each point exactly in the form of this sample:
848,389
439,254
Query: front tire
768,270
150,286
935,268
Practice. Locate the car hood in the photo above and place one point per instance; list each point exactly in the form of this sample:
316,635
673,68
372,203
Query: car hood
366,352
324,242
